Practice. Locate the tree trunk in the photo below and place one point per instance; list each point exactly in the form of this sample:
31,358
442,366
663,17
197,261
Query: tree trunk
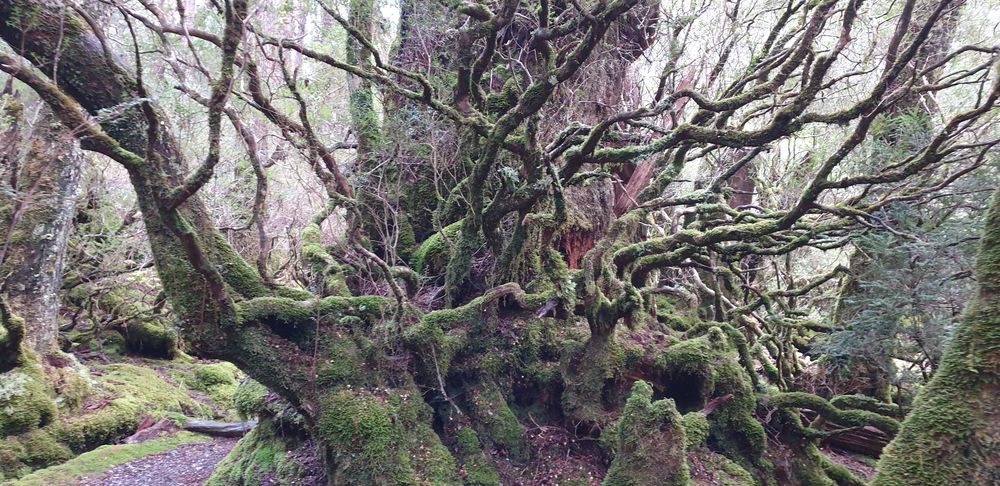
952,436
36,211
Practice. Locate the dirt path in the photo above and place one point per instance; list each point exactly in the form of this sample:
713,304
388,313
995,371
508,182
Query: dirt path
187,465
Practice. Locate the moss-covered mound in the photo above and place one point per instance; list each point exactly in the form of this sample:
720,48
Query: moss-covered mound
649,442
103,458
274,452
25,403
218,381
122,395
385,439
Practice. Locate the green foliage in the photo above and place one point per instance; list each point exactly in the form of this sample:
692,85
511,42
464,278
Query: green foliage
951,436
903,296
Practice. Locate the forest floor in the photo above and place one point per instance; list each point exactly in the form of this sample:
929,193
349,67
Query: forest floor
186,465
179,459
165,456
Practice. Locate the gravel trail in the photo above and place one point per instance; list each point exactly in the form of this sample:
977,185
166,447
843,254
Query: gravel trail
187,465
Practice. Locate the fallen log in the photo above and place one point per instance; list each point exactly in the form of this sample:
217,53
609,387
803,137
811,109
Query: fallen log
866,440
221,429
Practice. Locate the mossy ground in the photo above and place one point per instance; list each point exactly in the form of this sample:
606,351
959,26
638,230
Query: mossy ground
262,455
120,396
103,458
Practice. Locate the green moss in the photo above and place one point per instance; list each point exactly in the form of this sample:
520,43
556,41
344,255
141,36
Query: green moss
11,335
734,425
134,391
218,381
500,103
215,374
374,439
495,420
586,370
698,369
276,311
128,394
420,199
440,335
38,449
151,339
476,468
25,403
25,394
249,398
431,257
432,462
863,402
847,418
72,384
263,453
103,458
696,428
343,361
327,275
111,343
687,369
649,442
719,470
840,474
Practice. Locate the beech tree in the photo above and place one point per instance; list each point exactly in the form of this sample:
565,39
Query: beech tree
522,246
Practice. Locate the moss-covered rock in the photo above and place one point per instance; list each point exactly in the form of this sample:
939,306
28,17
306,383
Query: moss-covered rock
126,393
248,400
151,338
134,391
649,442
383,439
25,403
495,420
217,380
268,454
476,468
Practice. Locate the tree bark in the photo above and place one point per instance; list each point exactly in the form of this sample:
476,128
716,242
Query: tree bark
952,436
36,211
